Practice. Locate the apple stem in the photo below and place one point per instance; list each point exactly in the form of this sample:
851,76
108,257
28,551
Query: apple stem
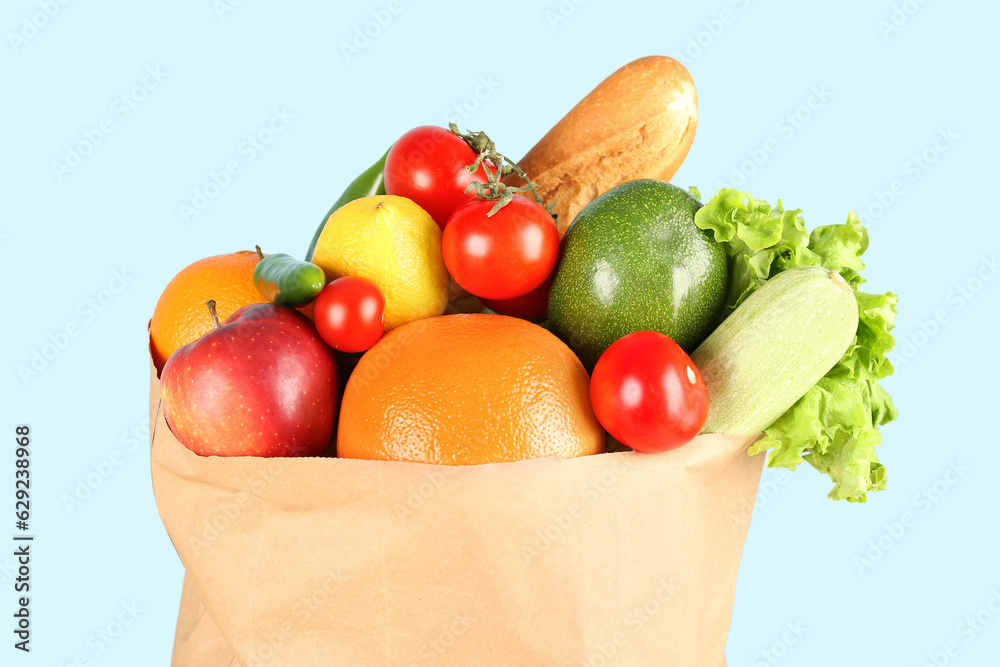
260,255
211,311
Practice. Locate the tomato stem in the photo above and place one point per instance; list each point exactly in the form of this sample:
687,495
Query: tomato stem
495,189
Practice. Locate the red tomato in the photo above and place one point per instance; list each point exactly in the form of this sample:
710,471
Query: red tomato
533,306
428,165
504,256
648,394
349,313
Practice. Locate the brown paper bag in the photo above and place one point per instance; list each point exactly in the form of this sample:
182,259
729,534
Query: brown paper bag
614,559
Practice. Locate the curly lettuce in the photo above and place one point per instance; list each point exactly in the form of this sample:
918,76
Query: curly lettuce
834,426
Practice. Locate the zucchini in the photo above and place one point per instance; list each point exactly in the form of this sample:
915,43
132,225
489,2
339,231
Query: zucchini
774,347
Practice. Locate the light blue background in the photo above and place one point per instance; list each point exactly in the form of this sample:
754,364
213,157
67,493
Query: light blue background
889,95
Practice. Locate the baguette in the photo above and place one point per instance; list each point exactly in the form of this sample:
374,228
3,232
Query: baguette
637,123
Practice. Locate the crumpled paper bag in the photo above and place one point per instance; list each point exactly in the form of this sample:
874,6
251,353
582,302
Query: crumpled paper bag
614,559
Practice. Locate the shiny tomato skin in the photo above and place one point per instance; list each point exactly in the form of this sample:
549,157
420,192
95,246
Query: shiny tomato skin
348,314
503,256
533,306
648,394
428,165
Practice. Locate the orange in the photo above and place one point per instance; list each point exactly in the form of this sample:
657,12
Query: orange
468,389
181,316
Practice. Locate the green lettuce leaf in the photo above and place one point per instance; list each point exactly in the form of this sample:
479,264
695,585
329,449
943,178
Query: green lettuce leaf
834,426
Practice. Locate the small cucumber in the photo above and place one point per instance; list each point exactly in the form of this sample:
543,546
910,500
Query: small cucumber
287,281
774,347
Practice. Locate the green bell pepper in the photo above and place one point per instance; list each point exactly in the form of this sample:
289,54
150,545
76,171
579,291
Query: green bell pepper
370,182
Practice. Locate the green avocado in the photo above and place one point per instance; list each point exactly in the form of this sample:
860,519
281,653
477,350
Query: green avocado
633,260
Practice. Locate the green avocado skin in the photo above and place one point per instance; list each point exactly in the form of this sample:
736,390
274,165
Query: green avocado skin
633,260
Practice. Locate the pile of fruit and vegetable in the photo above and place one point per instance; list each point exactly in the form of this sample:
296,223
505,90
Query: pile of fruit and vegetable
459,307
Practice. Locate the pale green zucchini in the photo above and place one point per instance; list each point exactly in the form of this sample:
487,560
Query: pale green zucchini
774,347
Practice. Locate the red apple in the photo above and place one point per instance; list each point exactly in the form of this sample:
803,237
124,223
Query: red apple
261,384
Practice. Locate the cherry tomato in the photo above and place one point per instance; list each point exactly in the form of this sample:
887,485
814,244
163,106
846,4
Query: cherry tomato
533,306
349,313
648,394
428,165
504,256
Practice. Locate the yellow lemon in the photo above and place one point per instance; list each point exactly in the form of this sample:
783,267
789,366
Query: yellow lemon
394,243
